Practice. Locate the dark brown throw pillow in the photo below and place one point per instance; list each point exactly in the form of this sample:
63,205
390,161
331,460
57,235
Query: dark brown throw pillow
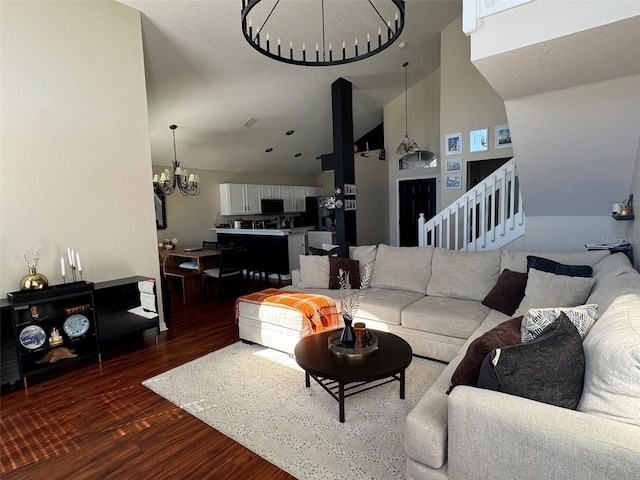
507,293
339,251
557,268
352,267
503,335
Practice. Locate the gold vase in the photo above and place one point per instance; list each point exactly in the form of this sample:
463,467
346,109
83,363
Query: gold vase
33,281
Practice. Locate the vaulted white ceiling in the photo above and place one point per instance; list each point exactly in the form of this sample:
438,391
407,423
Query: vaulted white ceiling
203,76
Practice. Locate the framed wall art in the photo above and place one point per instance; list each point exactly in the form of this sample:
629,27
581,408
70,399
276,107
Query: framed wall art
453,182
453,165
503,136
453,143
479,140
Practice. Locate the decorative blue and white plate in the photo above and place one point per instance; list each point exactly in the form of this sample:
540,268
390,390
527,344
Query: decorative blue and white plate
76,325
32,337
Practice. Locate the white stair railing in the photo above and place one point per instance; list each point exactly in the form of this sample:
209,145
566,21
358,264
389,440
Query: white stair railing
487,217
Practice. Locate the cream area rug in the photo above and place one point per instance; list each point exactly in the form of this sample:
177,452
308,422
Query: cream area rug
258,397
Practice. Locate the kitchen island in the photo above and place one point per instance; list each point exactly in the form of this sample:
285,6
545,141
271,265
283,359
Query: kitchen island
269,251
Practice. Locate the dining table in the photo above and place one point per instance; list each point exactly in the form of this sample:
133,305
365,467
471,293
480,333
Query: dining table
190,278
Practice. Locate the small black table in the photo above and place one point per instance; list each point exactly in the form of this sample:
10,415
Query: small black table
344,375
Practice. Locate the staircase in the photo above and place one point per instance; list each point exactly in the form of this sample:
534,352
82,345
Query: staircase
485,218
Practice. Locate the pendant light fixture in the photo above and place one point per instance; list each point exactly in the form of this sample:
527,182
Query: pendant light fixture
186,182
407,145
291,40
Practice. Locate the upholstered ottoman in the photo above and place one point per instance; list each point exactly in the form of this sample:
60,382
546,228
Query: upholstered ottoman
278,326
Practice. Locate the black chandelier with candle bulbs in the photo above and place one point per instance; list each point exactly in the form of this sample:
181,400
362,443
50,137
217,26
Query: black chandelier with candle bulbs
383,32
179,177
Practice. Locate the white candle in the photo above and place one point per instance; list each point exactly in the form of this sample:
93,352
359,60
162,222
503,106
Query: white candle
62,266
69,256
73,256
79,264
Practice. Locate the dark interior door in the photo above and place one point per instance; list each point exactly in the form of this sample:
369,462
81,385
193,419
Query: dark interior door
416,197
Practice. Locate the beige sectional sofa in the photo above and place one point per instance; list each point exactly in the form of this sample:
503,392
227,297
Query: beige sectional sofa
432,298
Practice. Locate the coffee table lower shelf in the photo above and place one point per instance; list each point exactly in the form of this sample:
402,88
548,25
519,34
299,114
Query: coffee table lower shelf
341,390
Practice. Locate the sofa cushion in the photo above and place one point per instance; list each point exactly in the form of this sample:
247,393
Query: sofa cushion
506,295
314,271
536,320
503,335
384,305
614,277
517,261
350,267
402,268
545,290
550,266
366,255
453,317
465,275
612,353
549,369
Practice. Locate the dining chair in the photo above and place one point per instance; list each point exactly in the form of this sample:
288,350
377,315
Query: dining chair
229,273
209,245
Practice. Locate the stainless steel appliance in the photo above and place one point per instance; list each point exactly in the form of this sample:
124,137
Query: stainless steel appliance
272,206
319,212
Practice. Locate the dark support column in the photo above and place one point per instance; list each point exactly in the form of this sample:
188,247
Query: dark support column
341,160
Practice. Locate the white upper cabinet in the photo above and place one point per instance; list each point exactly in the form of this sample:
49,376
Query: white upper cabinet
243,199
239,199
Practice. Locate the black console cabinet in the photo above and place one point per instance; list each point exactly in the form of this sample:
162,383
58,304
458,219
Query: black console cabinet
113,301
82,317
53,328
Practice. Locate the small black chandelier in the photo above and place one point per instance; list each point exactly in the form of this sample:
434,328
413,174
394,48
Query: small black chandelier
374,38
168,180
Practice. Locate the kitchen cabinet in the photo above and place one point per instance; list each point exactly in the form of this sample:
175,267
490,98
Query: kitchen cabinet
297,247
299,195
284,192
239,199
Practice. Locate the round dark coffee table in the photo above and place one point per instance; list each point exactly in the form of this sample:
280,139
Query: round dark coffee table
345,375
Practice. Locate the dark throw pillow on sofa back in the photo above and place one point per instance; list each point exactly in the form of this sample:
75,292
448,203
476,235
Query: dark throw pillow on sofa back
339,251
352,267
549,266
549,369
507,293
505,334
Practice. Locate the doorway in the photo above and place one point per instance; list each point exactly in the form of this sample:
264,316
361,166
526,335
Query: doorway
414,197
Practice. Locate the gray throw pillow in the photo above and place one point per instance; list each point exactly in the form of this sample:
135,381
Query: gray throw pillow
549,369
546,290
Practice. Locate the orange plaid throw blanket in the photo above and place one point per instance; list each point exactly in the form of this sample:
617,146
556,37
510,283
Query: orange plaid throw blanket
319,311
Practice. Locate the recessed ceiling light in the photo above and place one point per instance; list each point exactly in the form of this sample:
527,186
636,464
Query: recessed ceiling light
289,132
251,122
269,150
297,154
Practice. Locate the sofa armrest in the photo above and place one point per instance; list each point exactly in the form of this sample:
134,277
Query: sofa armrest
295,277
499,436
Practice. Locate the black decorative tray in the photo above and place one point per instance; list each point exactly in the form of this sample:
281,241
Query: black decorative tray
336,347
29,295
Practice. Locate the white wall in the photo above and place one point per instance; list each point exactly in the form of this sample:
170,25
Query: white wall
424,129
372,213
467,102
75,162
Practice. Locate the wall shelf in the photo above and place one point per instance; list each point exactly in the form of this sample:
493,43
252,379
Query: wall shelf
623,217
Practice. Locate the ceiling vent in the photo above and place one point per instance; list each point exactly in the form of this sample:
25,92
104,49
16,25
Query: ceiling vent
251,122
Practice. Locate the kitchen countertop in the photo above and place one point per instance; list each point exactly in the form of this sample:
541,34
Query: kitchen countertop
276,232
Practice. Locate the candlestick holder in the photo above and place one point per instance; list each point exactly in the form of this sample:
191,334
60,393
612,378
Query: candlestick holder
80,272
73,272
64,279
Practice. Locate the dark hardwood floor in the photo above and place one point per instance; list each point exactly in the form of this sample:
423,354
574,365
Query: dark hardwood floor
99,422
